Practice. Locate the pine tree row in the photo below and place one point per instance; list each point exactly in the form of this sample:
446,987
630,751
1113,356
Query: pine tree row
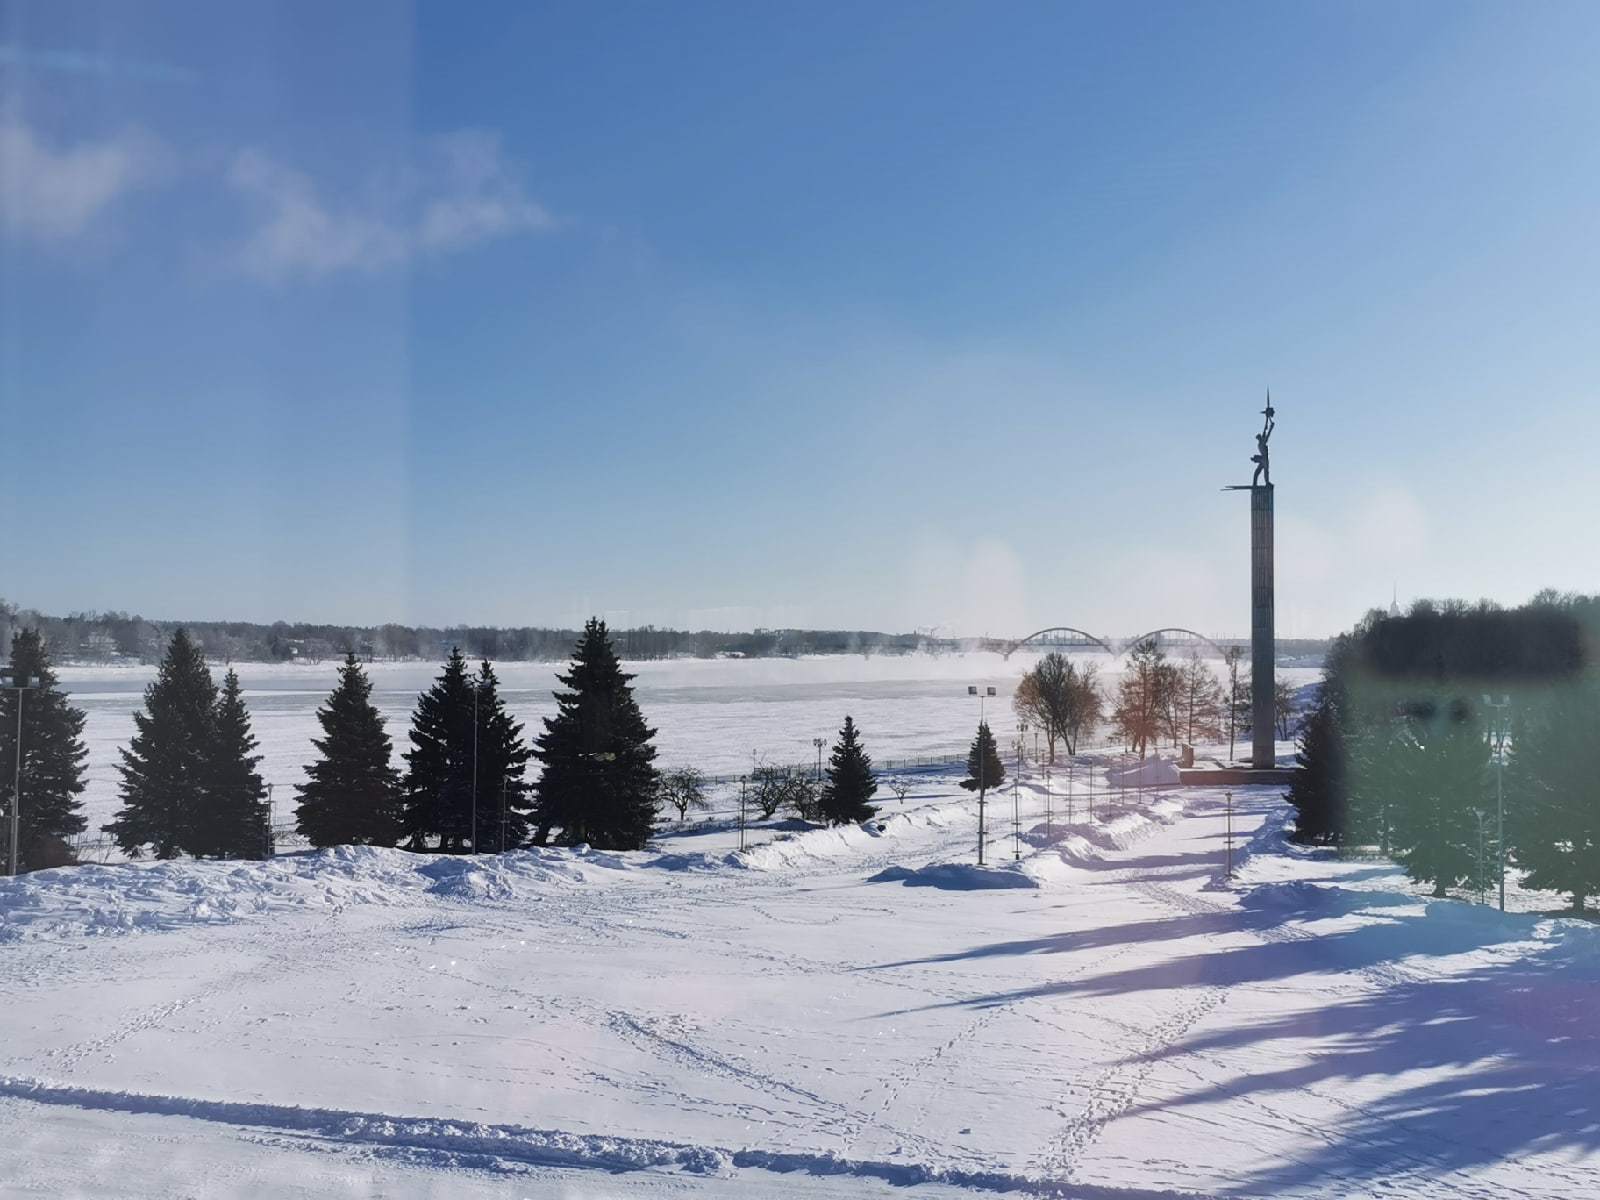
190,783
464,786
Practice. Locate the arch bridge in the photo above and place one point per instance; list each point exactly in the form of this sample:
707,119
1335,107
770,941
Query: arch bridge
1184,637
1053,636
1067,637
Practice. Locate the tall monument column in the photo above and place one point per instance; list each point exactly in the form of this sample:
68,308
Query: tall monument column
1263,637
1263,642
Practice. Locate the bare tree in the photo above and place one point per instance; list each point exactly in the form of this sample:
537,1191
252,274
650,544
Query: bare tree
683,789
1085,706
1199,697
773,788
1030,704
1231,656
1144,696
1282,707
803,796
1061,698
768,789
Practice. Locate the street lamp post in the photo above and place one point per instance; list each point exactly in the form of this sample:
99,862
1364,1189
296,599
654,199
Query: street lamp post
741,813
476,690
1498,732
1048,831
1016,794
819,743
1230,834
19,684
502,813
981,693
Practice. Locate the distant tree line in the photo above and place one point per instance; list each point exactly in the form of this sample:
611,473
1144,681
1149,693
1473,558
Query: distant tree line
116,636
190,784
106,637
1431,725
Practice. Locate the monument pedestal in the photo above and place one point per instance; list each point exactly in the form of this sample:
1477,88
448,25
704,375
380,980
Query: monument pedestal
1263,643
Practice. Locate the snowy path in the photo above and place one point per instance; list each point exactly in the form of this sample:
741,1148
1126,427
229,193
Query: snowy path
589,1025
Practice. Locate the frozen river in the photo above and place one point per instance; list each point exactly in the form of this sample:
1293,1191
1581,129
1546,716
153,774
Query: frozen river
716,714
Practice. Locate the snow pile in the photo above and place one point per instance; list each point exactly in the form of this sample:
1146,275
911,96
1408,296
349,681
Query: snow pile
1088,841
493,878
93,900
1150,772
1271,838
1058,847
796,849
842,841
959,876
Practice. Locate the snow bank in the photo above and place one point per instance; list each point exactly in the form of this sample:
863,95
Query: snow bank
92,900
1150,772
842,841
796,849
1058,849
1086,841
1271,838
958,876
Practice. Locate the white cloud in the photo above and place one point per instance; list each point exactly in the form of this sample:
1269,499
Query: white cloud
54,192
462,191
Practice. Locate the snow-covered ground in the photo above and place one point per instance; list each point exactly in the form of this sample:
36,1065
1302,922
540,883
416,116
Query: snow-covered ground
849,1012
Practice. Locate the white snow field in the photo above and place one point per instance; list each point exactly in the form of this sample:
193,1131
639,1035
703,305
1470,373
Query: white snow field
855,1012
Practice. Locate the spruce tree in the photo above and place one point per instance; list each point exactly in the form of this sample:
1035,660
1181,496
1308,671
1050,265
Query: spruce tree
850,783
1552,817
984,768
165,767
351,796
437,792
599,780
503,800
984,771
1443,786
53,754
231,820
1317,791
1378,772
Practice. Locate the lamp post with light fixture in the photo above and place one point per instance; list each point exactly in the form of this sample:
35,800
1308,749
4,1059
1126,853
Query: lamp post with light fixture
18,684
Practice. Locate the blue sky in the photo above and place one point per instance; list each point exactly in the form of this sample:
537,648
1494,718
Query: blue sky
890,316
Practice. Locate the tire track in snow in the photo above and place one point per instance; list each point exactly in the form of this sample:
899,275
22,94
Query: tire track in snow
445,1143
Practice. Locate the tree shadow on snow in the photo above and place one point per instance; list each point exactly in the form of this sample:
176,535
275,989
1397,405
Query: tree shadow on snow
1289,953
1435,1075
1301,902
1481,1068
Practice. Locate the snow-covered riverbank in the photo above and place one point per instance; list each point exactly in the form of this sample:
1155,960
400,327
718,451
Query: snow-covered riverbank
797,1020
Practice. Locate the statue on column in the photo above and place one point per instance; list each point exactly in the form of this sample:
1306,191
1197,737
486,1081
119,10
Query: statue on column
1263,473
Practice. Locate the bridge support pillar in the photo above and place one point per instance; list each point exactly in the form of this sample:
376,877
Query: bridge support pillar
1263,647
